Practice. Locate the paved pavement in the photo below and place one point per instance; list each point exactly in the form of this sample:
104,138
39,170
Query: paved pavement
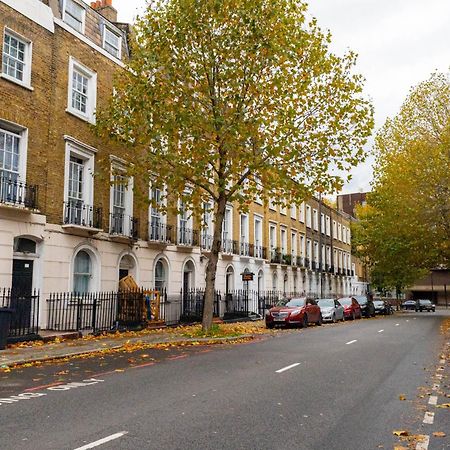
334,387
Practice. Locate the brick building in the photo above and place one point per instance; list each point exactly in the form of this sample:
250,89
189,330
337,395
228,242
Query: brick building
69,217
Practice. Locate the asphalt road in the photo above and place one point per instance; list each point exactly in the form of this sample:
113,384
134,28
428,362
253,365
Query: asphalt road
329,387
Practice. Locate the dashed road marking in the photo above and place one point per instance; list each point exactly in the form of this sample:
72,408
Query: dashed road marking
428,418
397,324
103,440
351,342
424,442
432,400
287,368
380,331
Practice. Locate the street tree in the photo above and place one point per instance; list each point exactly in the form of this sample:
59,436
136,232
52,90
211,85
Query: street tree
405,229
234,100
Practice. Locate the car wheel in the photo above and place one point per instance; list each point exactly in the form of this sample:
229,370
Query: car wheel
304,323
353,315
320,321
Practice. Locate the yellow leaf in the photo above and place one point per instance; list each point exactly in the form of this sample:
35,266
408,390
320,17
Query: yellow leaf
401,397
400,433
439,434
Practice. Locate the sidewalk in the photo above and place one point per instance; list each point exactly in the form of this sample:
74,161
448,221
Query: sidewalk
11,357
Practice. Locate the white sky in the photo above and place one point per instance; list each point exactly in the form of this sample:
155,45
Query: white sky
399,42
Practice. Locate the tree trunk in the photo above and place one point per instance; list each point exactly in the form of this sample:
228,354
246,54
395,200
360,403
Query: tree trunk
211,268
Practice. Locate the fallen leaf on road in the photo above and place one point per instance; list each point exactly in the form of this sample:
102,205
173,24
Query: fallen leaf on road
439,434
400,433
401,397
62,372
443,405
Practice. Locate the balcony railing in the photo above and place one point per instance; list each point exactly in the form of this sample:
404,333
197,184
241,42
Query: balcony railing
227,246
286,259
307,263
124,225
275,256
206,241
244,248
80,214
159,232
17,193
258,251
187,237
300,261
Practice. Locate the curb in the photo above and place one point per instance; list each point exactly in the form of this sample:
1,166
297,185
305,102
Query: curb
102,349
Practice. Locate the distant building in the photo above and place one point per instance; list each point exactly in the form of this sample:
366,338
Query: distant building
347,202
435,287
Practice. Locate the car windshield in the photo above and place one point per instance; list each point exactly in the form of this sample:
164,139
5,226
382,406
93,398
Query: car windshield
296,302
345,301
425,302
361,299
326,303
378,302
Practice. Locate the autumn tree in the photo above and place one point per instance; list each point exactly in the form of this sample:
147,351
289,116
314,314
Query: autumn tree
405,229
234,100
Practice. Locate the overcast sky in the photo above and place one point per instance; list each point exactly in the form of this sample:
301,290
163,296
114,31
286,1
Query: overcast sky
399,42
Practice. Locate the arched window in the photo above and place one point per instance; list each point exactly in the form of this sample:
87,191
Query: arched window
160,275
188,276
229,279
82,272
126,267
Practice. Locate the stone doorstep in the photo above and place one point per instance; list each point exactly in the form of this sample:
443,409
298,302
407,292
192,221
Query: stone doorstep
50,336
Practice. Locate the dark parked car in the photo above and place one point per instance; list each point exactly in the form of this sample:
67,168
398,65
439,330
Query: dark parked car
383,307
367,307
409,304
425,305
352,310
297,311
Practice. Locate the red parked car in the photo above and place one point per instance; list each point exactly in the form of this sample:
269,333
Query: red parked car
297,311
352,310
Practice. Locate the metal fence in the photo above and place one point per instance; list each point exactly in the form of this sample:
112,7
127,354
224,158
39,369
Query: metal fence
192,304
25,317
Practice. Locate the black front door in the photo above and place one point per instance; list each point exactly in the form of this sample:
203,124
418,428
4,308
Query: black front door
22,287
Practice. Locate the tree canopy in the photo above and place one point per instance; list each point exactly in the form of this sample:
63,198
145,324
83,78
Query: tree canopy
237,99
405,229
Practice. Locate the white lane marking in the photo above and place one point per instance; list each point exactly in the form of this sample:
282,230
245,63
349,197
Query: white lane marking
287,368
432,400
424,442
380,331
351,342
102,441
436,386
428,418
397,324
407,320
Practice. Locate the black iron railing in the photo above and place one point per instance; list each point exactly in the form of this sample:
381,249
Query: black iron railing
275,256
187,237
160,232
17,193
25,318
206,241
193,302
78,213
124,225
244,248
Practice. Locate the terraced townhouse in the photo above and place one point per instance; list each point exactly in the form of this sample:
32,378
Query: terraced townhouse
68,219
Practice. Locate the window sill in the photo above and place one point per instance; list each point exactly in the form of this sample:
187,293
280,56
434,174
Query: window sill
80,116
15,81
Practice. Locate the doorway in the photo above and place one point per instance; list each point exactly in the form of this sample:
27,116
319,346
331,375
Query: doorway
22,290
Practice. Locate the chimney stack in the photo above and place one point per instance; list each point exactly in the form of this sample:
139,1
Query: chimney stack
106,9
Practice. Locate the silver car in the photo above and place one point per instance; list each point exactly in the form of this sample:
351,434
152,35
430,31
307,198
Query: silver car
331,309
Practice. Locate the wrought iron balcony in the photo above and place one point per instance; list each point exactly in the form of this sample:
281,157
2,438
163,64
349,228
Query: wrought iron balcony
286,259
206,241
17,193
79,214
275,256
159,232
124,225
187,237
244,248
227,246
258,251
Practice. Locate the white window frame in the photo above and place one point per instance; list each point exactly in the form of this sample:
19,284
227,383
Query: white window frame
283,210
294,211
128,200
28,59
258,235
83,15
294,250
87,154
272,205
328,225
91,104
283,240
244,234
339,232
308,216
302,245
272,242
227,230
335,230
115,32
322,223
302,212
315,220
22,133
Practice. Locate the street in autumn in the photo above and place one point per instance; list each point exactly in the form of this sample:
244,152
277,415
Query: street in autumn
354,384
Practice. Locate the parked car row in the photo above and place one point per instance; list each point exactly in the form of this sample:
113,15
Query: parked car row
419,305
303,311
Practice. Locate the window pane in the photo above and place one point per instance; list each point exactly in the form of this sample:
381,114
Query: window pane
13,57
